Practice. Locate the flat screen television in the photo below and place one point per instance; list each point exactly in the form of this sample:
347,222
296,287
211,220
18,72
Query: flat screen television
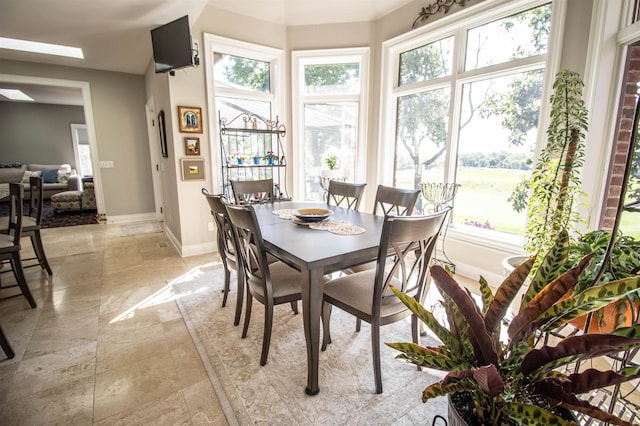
172,45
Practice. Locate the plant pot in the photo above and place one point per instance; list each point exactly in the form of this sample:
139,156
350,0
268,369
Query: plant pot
256,160
605,320
331,173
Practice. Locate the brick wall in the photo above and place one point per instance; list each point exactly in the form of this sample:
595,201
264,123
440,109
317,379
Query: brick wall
623,135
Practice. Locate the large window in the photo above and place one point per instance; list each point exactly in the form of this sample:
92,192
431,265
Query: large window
329,101
243,78
464,105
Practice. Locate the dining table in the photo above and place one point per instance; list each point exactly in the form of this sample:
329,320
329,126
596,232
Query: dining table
316,253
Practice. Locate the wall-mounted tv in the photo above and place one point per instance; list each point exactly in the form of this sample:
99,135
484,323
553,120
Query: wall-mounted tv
172,45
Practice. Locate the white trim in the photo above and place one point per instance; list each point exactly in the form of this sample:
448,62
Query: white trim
130,218
88,115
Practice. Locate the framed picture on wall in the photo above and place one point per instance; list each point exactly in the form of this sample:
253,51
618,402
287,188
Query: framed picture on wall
190,119
192,145
163,134
192,169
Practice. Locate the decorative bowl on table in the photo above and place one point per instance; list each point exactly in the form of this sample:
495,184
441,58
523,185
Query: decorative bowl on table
311,214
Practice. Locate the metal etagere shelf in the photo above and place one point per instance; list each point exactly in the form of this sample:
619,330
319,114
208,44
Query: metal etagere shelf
251,148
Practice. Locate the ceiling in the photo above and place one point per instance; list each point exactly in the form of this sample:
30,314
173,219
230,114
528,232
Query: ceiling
114,34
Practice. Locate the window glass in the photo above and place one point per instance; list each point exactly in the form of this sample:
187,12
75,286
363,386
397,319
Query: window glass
515,37
497,138
476,130
329,128
241,73
421,137
426,62
231,107
331,78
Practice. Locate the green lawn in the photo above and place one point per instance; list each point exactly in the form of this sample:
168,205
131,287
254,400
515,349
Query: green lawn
482,197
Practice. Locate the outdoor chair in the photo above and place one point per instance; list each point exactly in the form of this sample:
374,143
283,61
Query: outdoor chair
269,283
252,191
345,194
367,295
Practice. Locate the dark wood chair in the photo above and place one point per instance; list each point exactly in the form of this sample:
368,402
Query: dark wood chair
10,244
31,225
367,295
345,194
252,191
389,201
5,345
226,249
269,283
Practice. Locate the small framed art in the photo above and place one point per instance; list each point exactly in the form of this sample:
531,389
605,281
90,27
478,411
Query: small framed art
191,145
192,169
190,119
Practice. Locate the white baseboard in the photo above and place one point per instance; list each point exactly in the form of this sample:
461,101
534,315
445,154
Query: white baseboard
191,250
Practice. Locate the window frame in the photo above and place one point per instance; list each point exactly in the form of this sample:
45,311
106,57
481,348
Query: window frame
275,57
300,58
457,25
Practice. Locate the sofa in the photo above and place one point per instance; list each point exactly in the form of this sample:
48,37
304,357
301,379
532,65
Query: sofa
56,178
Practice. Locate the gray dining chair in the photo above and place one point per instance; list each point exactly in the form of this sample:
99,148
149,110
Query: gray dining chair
10,244
389,201
31,225
253,191
269,283
5,345
367,295
227,250
345,194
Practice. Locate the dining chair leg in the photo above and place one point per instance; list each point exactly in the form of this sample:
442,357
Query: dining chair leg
16,264
36,242
358,325
326,319
6,347
239,298
247,315
225,289
294,307
266,338
375,348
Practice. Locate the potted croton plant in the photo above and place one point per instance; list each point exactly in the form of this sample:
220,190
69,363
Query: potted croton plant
519,379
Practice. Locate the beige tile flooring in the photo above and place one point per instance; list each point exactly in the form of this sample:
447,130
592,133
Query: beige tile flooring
105,344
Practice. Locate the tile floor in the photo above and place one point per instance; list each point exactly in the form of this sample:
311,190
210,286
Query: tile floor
105,345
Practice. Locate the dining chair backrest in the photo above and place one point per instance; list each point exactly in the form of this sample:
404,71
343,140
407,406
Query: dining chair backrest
35,204
225,238
252,191
16,210
251,251
411,240
345,194
395,201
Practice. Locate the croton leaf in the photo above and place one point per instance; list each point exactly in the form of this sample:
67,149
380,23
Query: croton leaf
440,388
589,300
427,357
489,379
585,346
526,414
483,344
591,378
521,325
506,293
448,340
553,390
549,266
485,293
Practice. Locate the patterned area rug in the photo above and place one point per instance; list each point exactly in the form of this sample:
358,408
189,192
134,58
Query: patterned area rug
58,220
274,394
